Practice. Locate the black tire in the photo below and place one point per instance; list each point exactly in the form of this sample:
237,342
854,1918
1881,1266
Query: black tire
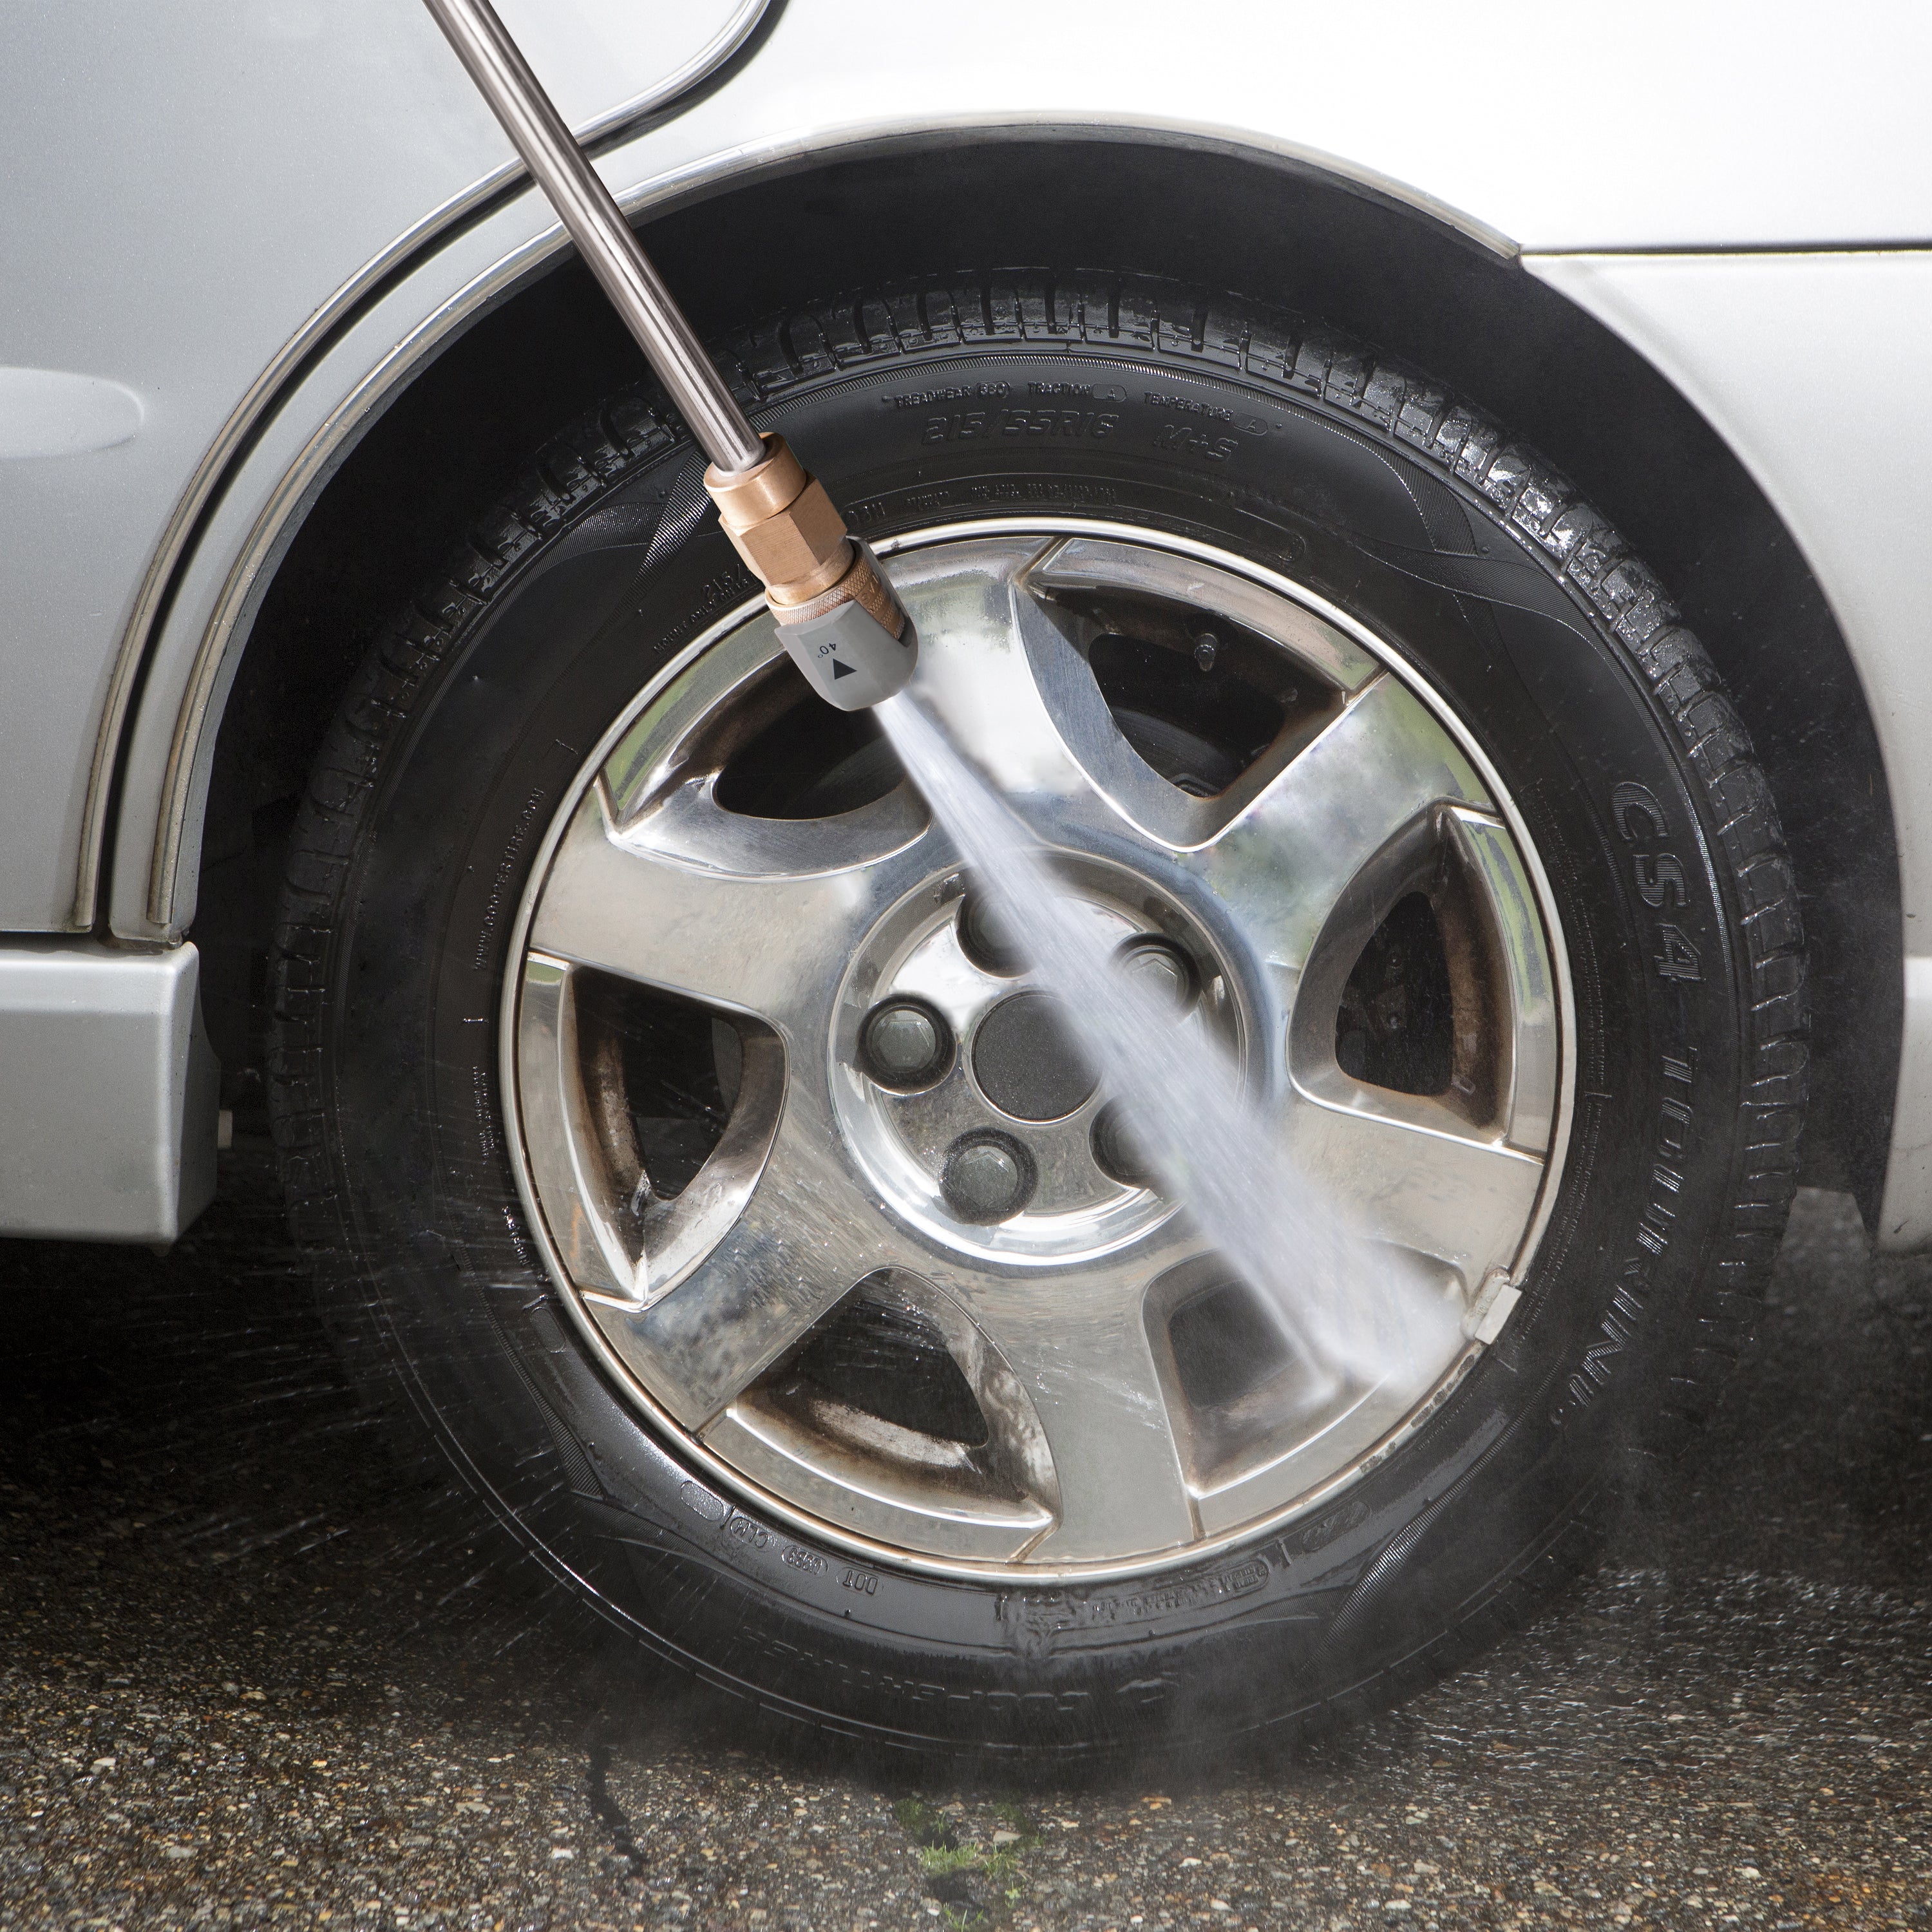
1205,415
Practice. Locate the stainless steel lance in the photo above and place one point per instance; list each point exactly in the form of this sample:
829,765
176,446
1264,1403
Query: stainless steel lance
836,613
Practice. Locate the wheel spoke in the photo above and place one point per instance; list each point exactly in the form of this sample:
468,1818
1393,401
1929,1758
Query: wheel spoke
1000,669
1011,690
1431,1190
1080,568
769,943
1081,1353
1281,865
806,1234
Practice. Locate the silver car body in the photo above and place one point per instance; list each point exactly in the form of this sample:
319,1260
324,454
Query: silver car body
231,232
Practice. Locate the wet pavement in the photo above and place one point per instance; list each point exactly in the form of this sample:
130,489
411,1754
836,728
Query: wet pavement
250,1675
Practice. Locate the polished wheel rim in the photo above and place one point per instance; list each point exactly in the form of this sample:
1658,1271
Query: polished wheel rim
822,1177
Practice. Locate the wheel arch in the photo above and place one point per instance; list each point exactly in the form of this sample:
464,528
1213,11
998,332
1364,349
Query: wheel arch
1283,232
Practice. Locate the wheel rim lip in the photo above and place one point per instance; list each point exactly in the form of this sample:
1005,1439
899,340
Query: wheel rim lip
686,1447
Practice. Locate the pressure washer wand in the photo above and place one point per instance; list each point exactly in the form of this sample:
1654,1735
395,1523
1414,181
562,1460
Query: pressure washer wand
837,615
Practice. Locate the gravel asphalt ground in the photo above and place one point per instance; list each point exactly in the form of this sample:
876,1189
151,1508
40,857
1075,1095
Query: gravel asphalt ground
249,1676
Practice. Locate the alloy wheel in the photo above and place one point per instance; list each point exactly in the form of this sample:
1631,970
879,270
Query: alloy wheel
829,1188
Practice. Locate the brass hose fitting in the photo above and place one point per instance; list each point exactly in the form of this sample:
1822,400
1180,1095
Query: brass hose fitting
838,615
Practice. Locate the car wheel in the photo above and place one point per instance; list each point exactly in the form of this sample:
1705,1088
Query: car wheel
656,1093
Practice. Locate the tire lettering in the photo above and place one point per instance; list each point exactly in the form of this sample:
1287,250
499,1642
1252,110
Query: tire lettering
1640,799
1678,960
1184,436
1599,1353
968,425
1025,1707
1659,879
1162,399
1629,1304
920,399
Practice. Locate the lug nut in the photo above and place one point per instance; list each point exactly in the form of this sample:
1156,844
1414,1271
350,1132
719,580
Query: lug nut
905,1046
986,940
987,1178
1161,969
1117,1151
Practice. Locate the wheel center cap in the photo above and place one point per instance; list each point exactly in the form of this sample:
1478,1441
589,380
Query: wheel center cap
962,1091
1026,1061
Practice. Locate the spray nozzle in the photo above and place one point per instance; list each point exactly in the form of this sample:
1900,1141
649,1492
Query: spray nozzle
837,615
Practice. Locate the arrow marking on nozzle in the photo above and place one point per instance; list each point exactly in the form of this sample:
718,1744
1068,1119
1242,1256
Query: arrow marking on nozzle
841,669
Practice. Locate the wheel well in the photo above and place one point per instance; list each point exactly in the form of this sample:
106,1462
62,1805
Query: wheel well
1287,235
